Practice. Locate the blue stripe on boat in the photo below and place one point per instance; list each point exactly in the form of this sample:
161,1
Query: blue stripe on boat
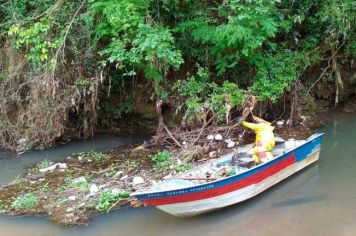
301,153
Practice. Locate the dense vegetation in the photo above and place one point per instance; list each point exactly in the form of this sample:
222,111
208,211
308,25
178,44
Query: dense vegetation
67,67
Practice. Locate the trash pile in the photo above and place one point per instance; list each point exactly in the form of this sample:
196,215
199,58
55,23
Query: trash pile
236,162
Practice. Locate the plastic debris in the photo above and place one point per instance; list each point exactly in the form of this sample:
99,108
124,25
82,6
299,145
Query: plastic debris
80,180
93,189
53,167
231,144
119,173
124,177
138,180
72,198
280,123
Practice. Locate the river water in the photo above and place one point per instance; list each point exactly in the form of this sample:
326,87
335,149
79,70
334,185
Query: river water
320,200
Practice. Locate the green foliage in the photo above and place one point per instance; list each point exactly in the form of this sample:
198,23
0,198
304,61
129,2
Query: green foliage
135,45
26,201
70,183
44,164
36,38
82,82
61,189
202,95
245,28
131,165
108,198
162,161
275,74
243,47
59,202
3,78
96,157
183,168
2,207
44,188
40,29
41,165
111,111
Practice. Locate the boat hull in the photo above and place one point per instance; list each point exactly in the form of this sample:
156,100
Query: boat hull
211,196
193,208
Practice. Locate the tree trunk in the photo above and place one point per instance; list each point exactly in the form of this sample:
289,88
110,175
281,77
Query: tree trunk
294,113
338,82
160,125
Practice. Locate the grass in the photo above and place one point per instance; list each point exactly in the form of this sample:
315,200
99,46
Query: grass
26,201
108,199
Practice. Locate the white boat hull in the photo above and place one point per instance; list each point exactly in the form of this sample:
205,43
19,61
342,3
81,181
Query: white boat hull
202,206
210,196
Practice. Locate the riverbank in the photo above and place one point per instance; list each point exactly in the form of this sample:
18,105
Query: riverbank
86,184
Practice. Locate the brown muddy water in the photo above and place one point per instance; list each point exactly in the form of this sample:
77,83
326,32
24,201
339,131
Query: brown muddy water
320,200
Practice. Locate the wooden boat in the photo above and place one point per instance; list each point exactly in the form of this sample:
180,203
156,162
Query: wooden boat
186,198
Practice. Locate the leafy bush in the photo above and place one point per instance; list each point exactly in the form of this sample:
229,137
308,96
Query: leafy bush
275,74
26,201
202,96
108,198
247,26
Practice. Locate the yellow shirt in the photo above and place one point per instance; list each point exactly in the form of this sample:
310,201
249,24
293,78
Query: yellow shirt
264,133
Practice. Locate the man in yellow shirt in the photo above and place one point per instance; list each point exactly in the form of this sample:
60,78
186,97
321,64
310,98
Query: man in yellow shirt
265,139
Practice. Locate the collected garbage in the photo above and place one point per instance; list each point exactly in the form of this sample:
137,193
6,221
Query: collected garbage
236,162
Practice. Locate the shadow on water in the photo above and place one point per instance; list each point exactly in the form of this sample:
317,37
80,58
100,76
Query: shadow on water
320,200
299,201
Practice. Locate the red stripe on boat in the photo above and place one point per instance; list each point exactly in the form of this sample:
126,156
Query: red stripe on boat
253,179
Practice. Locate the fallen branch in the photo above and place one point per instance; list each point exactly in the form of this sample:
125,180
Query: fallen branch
171,136
117,202
202,129
105,170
